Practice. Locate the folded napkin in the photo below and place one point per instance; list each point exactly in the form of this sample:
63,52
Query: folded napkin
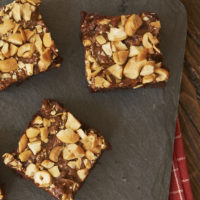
180,188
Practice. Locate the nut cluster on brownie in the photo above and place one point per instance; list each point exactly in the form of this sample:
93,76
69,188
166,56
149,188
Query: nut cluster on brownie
26,46
122,51
56,152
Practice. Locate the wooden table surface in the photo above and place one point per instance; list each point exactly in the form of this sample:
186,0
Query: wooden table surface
189,108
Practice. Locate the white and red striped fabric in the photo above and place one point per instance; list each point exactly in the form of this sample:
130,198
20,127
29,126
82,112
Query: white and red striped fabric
180,188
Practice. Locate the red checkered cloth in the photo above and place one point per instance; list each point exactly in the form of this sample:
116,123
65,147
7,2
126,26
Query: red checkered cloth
180,188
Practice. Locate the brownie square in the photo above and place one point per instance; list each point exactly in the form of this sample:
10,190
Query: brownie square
56,152
26,45
122,51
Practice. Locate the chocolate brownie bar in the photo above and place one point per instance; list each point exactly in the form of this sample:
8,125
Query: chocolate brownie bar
26,45
122,51
56,152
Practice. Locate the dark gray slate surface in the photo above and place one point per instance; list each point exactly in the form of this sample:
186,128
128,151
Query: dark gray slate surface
139,124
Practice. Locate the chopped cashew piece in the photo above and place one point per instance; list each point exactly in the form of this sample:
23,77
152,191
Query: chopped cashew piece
86,43
22,143
117,34
147,70
148,78
6,26
68,136
35,147
116,70
133,23
8,65
55,153
43,178
118,46
47,40
31,170
100,39
101,82
133,68
163,74
107,49
149,41
72,122
82,174
135,50
120,57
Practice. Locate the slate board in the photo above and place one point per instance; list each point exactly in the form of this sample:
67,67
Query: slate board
139,124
